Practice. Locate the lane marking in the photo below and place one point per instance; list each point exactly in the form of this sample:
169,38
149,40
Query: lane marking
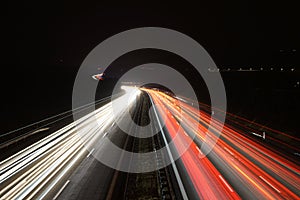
90,152
179,181
269,184
199,150
61,189
225,183
104,134
228,151
256,134
112,124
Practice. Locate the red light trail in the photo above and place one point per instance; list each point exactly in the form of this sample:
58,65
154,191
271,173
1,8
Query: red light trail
238,166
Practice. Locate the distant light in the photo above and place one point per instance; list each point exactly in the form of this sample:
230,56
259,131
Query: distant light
292,69
240,69
281,69
98,77
293,50
271,68
250,68
228,69
298,82
261,68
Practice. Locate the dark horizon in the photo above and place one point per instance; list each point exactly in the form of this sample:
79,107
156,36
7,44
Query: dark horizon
45,45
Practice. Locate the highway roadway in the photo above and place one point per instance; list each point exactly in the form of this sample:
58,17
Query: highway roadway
59,166
245,161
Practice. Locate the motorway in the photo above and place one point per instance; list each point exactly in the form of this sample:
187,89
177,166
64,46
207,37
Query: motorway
244,160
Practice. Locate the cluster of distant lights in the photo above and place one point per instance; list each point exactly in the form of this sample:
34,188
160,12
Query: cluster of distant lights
282,69
251,69
297,85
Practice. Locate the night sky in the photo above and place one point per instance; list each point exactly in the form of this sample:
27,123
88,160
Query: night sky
45,43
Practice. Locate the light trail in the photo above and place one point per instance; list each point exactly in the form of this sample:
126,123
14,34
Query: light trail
203,174
253,170
240,165
34,171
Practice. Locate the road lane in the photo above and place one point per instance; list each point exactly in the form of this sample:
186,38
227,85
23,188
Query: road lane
238,167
